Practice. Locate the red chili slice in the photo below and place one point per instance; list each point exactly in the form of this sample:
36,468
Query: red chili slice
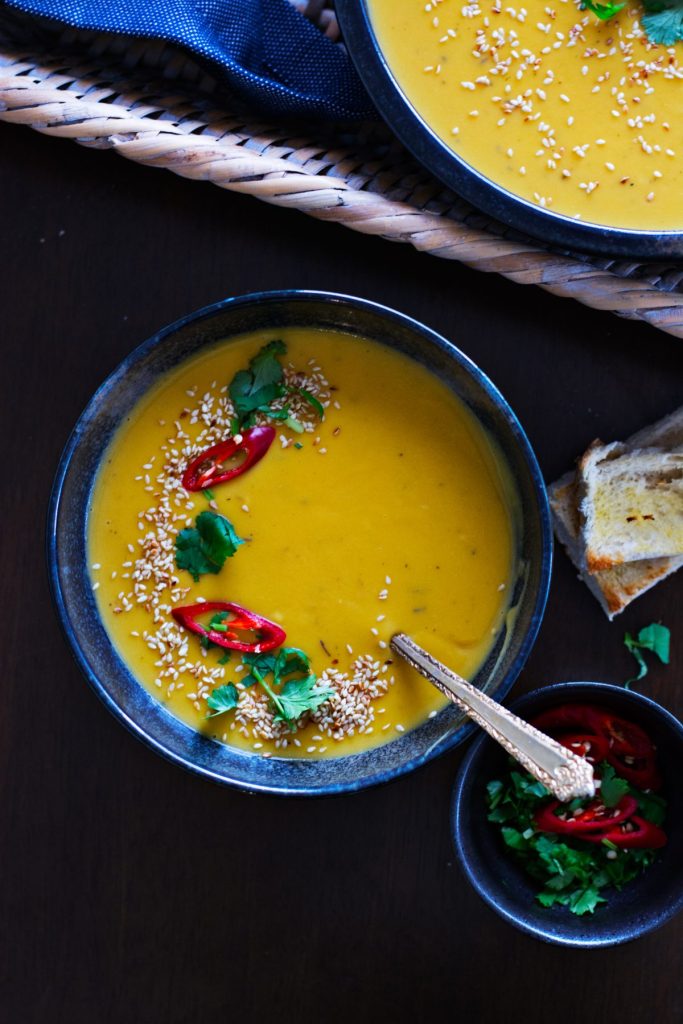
205,470
572,717
269,634
593,748
640,772
629,749
634,834
593,819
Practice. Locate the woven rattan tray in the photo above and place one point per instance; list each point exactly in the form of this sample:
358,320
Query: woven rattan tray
151,103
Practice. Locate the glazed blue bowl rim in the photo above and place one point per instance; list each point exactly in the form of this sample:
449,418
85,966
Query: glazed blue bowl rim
484,193
303,296
460,836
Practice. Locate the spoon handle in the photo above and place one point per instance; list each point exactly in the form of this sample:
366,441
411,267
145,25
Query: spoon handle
560,770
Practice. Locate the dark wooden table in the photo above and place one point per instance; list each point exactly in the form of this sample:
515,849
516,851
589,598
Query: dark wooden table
133,892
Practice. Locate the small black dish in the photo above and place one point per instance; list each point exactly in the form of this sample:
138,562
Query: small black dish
643,904
553,229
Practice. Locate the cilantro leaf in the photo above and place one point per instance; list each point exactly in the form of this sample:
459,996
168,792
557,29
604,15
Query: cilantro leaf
300,695
254,390
655,638
612,788
265,365
223,698
663,21
261,384
218,537
205,547
651,806
296,695
585,902
189,554
602,11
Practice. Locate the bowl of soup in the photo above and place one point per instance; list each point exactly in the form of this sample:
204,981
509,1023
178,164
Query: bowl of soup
555,122
256,500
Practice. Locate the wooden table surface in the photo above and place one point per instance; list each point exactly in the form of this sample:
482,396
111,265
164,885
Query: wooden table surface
133,892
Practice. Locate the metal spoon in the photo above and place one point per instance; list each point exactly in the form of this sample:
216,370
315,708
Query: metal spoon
561,771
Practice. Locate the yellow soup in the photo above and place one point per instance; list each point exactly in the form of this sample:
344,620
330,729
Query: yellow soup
391,514
571,113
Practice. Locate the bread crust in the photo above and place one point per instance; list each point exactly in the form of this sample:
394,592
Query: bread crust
614,585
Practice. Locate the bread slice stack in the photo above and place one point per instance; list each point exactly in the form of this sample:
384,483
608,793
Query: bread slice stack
620,515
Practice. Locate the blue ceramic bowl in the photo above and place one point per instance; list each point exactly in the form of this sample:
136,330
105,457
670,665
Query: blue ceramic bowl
68,516
484,193
642,905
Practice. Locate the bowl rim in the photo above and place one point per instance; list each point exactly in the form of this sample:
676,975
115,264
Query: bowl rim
460,837
275,298
547,226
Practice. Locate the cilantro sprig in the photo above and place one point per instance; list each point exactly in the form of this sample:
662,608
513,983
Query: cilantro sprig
571,873
204,547
654,638
288,669
255,390
285,676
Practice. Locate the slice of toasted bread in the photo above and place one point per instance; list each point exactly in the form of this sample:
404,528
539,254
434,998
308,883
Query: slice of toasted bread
631,504
616,587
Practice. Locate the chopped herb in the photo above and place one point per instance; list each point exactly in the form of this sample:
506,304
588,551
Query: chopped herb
612,788
300,695
261,384
312,400
208,494
254,390
296,695
205,547
223,698
655,638
663,21
224,659
298,444
650,805
602,11
571,873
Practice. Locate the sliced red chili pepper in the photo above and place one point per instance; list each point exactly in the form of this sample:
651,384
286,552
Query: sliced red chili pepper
640,772
205,470
629,749
634,834
570,717
269,634
626,737
593,748
594,818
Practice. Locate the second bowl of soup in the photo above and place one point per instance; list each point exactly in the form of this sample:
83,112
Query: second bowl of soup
252,505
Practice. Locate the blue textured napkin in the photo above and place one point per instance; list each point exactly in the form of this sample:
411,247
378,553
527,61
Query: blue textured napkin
266,51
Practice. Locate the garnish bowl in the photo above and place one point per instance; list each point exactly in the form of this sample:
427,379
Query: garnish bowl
71,585
556,230
644,904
